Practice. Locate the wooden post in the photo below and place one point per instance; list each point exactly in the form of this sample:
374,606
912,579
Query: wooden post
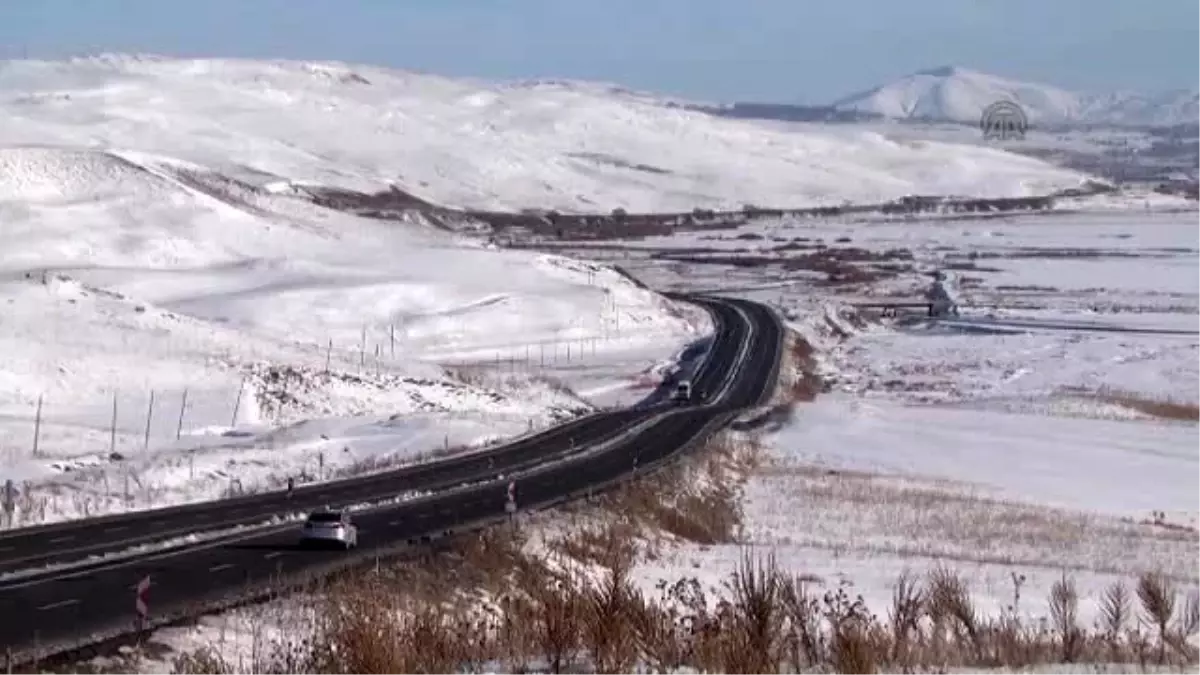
392,337
237,403
182,408
149,416
112,433
362,351
37,426
328,355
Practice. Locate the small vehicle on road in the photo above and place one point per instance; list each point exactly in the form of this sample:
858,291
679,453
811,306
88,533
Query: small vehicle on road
682,392
329,528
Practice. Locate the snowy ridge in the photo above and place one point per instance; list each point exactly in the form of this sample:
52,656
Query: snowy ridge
959,94
574,147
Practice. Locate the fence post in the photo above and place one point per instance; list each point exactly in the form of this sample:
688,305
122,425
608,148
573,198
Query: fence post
362,351
37,426
237,403
112,433
149,416
392,337
328,354
182,408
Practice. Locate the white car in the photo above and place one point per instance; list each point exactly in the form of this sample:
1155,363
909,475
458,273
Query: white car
682,392
329,528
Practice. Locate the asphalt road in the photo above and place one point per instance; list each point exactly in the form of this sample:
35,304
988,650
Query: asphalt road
61,611
69,541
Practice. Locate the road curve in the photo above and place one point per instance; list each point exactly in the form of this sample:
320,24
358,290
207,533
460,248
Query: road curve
76,540
65,610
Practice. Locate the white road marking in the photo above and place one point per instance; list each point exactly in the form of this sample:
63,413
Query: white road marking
116,528
393,523
56,605
273,554
218,568
65,537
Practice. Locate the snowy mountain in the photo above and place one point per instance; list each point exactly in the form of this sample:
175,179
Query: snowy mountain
549,144
960,95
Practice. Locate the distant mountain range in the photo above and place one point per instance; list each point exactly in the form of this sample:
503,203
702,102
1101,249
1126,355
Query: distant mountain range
960,95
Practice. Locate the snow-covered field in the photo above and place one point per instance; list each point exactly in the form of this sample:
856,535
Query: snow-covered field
1022,440
275,337
562,145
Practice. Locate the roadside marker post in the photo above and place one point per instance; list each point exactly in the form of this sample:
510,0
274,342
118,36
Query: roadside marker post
10,501
140,604
510,507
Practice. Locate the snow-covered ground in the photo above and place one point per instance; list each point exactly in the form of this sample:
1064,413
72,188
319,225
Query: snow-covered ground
563,145
242,339
179,325
1022,440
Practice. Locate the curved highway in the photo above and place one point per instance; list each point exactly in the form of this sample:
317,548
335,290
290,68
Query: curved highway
68,541
60,610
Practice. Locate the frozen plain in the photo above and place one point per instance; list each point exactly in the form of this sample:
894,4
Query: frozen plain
1020,441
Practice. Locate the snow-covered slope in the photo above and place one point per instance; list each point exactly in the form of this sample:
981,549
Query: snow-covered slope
561,145
960,95
236,338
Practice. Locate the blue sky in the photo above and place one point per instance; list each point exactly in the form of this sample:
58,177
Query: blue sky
768,50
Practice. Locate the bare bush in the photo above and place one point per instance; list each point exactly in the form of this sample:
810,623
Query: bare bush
550,617
1163,408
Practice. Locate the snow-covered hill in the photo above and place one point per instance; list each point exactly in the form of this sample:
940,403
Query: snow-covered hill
237,338
960,95
562,145
238,334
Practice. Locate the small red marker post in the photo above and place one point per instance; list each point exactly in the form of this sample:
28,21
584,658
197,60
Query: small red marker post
140,604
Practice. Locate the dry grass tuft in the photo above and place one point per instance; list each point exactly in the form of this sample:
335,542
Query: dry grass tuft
801,382
553,619
698,499
1162,408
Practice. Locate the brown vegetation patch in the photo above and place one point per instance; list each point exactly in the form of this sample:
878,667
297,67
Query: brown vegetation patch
1162,408
760,620
840,265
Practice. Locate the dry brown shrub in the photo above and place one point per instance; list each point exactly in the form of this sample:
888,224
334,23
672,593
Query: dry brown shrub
1163,408
1157,597
1064,613
202,661
760,620
697,499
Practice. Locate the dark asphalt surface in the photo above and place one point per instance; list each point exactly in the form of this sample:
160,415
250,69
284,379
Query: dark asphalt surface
75,540
48,614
